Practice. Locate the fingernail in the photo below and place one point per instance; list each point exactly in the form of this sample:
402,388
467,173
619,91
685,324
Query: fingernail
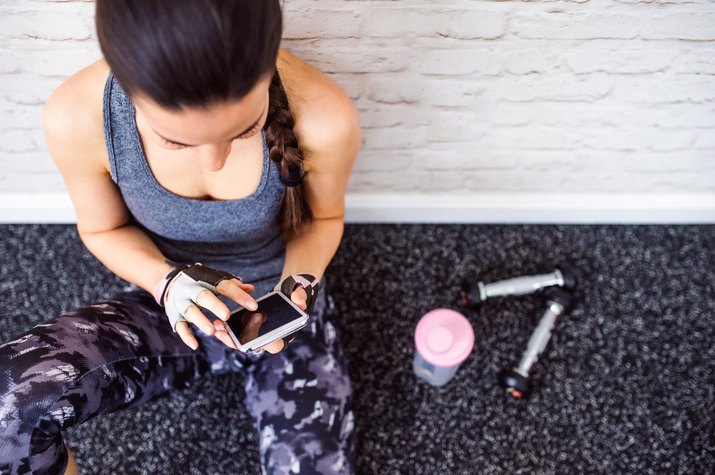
257,317
194,346
251,305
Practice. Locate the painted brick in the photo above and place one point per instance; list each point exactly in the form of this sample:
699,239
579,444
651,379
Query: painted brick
13,141
658,89
394,138
58,62
578,25
680,25
62,24
701,62
24,89
553,88
441,93
465,23
457,62
335,24
623,61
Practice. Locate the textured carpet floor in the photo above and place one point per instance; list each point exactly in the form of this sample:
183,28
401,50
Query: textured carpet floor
627,384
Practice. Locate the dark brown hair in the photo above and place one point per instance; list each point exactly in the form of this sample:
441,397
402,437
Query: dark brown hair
189,53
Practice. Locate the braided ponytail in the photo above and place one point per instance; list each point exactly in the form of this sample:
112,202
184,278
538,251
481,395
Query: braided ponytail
284,150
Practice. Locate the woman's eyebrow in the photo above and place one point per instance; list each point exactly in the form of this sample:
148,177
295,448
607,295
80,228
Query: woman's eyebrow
234,138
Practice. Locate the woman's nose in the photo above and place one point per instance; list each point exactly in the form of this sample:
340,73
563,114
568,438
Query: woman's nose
213,156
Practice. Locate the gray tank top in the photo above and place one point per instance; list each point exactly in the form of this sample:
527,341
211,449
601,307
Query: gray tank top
241,236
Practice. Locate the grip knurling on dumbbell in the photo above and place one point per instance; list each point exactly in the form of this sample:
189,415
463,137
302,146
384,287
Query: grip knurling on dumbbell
474,293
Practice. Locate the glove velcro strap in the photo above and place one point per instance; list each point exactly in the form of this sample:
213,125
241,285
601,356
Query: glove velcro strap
309,283
208,275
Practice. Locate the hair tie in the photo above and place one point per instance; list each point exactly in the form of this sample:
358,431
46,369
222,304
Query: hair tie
295,177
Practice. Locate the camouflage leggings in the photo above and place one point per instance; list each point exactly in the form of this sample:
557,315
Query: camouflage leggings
121,352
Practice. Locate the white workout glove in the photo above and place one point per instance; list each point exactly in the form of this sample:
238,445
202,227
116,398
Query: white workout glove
307,281
180,289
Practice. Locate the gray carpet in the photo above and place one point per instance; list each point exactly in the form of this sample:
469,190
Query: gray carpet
627,384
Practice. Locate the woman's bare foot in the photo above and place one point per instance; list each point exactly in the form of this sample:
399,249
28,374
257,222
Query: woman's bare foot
71,464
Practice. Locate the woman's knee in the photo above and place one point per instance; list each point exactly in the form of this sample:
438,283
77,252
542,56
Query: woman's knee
33,375
304,413
38,371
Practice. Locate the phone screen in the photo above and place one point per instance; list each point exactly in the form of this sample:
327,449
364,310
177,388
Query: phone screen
274,312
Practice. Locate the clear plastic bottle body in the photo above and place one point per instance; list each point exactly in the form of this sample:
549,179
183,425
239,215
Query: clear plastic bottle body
434,375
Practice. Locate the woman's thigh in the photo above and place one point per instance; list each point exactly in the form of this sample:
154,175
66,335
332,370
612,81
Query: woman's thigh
301,400
87,362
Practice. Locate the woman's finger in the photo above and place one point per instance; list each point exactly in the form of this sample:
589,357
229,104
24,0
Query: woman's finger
182,328
274,346
224,338
251,327
246,287
208,300
221,333
300,298
194,315
237,292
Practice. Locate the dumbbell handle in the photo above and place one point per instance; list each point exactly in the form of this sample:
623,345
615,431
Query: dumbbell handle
539,338
520,285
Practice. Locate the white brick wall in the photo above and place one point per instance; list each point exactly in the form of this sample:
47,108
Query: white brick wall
456,96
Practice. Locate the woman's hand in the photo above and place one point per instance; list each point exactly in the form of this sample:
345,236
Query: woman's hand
183,290
233,289
253,325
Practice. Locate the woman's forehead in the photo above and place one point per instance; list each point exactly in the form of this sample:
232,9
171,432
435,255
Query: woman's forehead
216,122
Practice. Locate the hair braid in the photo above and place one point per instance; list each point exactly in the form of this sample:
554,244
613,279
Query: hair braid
284,150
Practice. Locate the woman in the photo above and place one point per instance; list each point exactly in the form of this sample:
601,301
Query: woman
195,140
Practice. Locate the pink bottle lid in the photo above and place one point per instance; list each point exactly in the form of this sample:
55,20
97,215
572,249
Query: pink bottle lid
444,337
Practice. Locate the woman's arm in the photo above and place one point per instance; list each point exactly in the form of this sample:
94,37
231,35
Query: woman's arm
74,130
73,123
328,130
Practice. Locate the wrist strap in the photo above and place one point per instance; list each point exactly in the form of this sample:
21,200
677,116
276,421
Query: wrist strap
163,285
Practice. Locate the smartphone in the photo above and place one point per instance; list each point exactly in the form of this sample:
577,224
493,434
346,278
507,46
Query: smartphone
276,317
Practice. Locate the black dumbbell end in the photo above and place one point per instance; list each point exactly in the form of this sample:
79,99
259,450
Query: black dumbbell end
516,385
469,293
569,275
559,296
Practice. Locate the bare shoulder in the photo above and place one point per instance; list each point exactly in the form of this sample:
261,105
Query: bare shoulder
325,117
73,117
73,120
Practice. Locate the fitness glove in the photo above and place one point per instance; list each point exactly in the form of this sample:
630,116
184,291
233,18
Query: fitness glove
309,283
180,289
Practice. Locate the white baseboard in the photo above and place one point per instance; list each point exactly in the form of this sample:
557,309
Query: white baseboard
498,208
538,208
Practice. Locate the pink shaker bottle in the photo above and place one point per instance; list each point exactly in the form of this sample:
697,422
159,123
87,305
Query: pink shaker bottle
444,339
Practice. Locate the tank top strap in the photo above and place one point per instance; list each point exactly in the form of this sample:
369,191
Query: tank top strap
117,110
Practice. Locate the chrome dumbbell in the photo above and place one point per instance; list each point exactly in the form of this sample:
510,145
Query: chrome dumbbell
475,293
516,380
